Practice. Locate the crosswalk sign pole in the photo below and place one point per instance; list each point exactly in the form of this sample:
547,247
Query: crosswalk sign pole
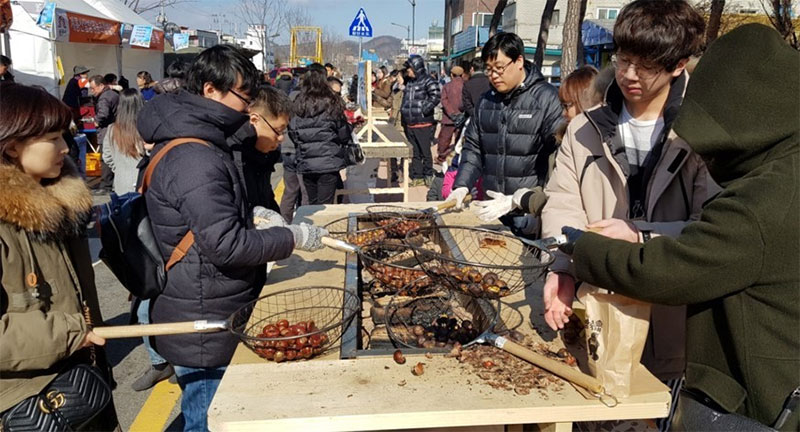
360,52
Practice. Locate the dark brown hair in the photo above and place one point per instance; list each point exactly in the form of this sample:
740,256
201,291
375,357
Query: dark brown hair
28,112
577,88
659,32
271,101
126,136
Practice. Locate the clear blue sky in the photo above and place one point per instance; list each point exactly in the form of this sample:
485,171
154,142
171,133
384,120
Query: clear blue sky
332,14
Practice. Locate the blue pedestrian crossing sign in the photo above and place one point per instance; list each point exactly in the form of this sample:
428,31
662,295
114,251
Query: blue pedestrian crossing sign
360,25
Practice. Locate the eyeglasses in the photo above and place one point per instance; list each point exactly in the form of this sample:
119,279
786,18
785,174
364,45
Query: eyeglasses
246,101
270,126
567,105
497,70
622,64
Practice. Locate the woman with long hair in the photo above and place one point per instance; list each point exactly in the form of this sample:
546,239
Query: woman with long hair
146,85
49,299
320,132
123,147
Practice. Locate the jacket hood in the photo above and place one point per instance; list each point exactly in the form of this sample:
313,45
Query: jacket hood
417,63
742,106
52,210
186,115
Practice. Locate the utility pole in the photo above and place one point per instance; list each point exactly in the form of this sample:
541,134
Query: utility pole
413,20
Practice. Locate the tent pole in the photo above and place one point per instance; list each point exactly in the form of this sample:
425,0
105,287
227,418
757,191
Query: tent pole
6,44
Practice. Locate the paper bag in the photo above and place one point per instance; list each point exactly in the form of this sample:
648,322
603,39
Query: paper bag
616,331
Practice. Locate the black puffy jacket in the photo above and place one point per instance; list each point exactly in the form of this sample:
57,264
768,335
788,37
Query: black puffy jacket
320,140
509,139
198,187
421,96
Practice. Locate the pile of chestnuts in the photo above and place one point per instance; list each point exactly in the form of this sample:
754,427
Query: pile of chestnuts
365,238
398,277
471,281
398,227
302,340
444,332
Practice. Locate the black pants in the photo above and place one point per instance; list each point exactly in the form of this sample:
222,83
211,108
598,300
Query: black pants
292,194
420,140
322,187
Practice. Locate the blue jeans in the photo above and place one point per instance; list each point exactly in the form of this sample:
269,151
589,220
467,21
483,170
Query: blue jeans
143,316
198,386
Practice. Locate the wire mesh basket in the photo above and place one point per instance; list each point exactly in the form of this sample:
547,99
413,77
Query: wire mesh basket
394,266
478,262
295,324
410,218
436,322
370,228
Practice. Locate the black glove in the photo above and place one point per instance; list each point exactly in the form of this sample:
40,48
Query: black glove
459,120
573,234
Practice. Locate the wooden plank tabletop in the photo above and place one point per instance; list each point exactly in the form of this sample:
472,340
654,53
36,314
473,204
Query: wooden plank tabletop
367,393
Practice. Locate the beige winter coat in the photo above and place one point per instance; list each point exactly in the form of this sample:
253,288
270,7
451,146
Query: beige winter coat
588,185
41,328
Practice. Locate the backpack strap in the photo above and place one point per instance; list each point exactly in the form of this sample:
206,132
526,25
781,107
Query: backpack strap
187,241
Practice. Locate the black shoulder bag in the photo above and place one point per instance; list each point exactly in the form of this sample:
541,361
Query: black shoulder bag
75,397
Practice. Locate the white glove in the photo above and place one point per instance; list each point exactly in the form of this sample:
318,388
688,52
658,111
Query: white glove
307,237
492,209
458,196
264,218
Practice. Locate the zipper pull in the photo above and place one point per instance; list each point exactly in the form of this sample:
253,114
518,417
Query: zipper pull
788,408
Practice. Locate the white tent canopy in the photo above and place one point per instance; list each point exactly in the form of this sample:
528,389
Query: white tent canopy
34,51
133,60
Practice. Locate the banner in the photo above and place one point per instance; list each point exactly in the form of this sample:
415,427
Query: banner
180,41
45,20
72,27
141,35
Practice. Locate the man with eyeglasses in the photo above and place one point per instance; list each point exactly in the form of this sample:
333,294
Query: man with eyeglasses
623,172
196,189
510,136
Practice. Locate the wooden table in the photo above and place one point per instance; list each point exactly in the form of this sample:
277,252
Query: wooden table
375,393
395,148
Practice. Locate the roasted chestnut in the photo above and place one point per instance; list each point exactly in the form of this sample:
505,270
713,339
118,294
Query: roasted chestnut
399,358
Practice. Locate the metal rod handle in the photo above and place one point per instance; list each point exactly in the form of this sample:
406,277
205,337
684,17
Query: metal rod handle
140,330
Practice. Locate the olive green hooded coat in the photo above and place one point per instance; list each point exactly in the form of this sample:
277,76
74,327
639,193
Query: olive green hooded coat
738,268
40,328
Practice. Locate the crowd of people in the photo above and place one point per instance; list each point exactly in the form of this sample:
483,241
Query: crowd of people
676,189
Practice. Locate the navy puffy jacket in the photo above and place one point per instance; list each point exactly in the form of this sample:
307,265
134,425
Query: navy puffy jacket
198,187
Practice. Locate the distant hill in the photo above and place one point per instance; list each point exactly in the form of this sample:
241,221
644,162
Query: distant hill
385,46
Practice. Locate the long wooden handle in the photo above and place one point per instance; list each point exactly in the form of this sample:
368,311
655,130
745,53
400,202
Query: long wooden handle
339,244
131,331
450,204
556,367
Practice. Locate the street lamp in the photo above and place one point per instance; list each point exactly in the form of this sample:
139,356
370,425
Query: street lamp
413,20
408,35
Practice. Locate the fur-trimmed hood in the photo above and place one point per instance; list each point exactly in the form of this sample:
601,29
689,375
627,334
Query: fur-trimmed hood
53,210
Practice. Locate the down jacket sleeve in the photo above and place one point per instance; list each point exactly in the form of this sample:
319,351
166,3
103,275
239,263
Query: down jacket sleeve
434,91
470,167
205,201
